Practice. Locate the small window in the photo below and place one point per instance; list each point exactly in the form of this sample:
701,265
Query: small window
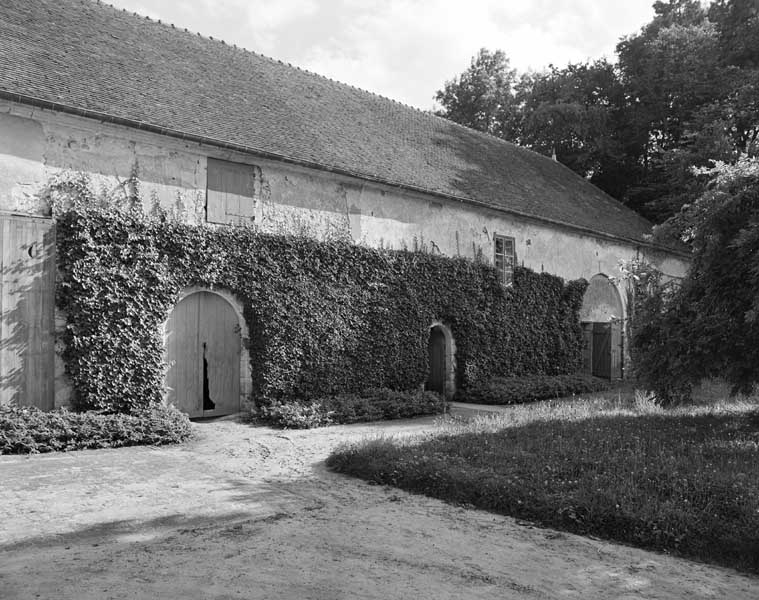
504,258
230,192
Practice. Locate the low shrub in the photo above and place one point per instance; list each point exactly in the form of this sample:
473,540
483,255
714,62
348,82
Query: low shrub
517,390
29,430
295,414
370,405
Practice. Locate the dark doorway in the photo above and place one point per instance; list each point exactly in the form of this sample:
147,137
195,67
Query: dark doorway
436,346
602,322
602,350
602,356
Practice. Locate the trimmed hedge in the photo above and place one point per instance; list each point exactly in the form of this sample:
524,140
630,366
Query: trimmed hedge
25,430
516,390
324,317
370,405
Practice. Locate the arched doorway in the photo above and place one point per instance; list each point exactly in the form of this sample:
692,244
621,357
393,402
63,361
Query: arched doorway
441,352
203,352
602,319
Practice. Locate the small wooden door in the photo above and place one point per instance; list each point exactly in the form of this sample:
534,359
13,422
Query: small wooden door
587,348
204,356
616,339
436,382
602,350
27,305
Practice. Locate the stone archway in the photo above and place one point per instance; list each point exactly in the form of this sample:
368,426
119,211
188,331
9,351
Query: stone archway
441,350
602,318
205,340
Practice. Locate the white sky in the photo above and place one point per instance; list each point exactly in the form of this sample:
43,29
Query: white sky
407,49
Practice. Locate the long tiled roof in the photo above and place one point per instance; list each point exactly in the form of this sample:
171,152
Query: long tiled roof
95,59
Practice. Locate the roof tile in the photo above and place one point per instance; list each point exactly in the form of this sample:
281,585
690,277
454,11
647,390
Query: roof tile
86,55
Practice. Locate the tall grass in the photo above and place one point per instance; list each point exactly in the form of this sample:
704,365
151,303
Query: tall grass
684,480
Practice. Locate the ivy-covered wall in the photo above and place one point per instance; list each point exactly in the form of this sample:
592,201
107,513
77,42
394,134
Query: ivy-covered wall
323,317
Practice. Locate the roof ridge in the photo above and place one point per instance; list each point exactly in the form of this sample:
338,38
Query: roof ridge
244,50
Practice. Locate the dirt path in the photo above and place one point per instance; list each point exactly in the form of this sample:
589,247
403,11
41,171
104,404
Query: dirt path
251,512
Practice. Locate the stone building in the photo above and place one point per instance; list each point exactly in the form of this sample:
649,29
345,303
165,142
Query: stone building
222,135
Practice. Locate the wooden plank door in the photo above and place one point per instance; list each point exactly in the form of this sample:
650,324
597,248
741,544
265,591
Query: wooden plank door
27,305
587,348
184,379
203,351
219,343
615,340
436,382
602,350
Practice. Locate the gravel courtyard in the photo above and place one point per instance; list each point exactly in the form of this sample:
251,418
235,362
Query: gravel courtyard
251,512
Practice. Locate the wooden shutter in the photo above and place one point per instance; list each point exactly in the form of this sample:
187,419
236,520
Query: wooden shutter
230,193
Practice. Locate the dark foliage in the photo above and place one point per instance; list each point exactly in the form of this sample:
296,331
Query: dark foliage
370,405
25,430
682,93
325,318
518,390
709,325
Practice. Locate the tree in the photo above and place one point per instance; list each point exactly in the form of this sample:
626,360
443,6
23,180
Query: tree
690,98
572,114
709,326
738,25
682,93
482,97
668,76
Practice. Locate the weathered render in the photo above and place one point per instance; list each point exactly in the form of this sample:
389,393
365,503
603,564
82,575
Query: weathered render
220,135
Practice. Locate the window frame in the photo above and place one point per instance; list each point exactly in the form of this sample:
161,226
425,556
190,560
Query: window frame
504,262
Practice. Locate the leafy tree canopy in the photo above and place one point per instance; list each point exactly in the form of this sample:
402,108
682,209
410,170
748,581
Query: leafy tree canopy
709,325
482,97
682,93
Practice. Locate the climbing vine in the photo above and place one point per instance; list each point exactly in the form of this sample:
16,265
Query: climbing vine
324,318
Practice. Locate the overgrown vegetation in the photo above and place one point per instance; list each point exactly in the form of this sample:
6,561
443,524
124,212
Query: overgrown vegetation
26,430
708,324
681,93
514,390
324,318
683,481
369,405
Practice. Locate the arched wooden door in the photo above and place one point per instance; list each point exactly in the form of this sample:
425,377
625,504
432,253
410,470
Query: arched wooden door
436,381
601,317
204,356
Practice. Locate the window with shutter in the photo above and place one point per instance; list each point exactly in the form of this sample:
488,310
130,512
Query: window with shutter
230,192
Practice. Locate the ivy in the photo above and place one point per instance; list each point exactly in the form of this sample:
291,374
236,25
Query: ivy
324,317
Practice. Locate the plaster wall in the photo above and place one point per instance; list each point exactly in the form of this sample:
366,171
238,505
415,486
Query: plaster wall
36,144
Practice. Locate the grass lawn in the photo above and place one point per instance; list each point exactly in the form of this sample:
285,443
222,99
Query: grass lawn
616,466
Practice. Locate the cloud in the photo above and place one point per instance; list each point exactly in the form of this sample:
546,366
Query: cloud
407,49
